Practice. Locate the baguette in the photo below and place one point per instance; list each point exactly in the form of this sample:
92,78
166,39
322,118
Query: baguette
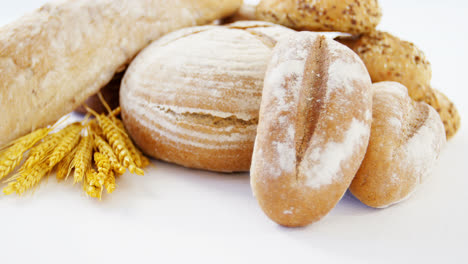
51,60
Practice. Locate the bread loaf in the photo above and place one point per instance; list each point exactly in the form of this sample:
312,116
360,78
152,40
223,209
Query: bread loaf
51,60
192,97
350,16
314,127
405,142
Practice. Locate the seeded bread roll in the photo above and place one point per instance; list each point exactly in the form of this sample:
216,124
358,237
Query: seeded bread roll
448,112
405,142
53,59
389,58
350,16
313,131
192,97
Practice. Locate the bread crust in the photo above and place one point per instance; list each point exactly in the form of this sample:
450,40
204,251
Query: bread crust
53,59
447,110
406,139
389,58
192,97
350,16
313,130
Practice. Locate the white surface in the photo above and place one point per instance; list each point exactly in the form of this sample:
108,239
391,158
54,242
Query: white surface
179,215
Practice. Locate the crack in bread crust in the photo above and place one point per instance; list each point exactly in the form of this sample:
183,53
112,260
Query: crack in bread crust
312,96
209,119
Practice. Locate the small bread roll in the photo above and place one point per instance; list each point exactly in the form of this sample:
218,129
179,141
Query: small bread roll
192,97
314,128
350,16
448,112
389,58
406,139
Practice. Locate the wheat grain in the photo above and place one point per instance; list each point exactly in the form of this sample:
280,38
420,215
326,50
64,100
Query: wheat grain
40,152
64,167
27,179
106,149
116,141
89,187
141,160
83,158
12,156
95,128
66,144
109,183
103,167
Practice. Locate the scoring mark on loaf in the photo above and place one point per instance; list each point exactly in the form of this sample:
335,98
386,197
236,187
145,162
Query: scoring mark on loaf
311,95
173,126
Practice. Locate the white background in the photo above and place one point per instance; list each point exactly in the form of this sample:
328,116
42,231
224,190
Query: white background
179,215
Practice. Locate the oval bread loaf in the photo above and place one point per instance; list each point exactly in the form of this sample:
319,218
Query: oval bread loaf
405,142
56,57
192,97
314,128
350,16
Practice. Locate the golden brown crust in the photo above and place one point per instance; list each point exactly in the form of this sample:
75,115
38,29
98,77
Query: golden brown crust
313,130
389,58
405,142
350,16
202,115
447,110
53,59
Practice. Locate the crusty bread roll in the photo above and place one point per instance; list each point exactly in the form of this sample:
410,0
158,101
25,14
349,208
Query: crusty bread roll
192,97
51,60
447,110
405,142
350,16
110,94
389,58
314,127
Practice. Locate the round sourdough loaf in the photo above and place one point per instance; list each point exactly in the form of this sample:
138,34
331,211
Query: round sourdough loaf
192,97
406,139
314,128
